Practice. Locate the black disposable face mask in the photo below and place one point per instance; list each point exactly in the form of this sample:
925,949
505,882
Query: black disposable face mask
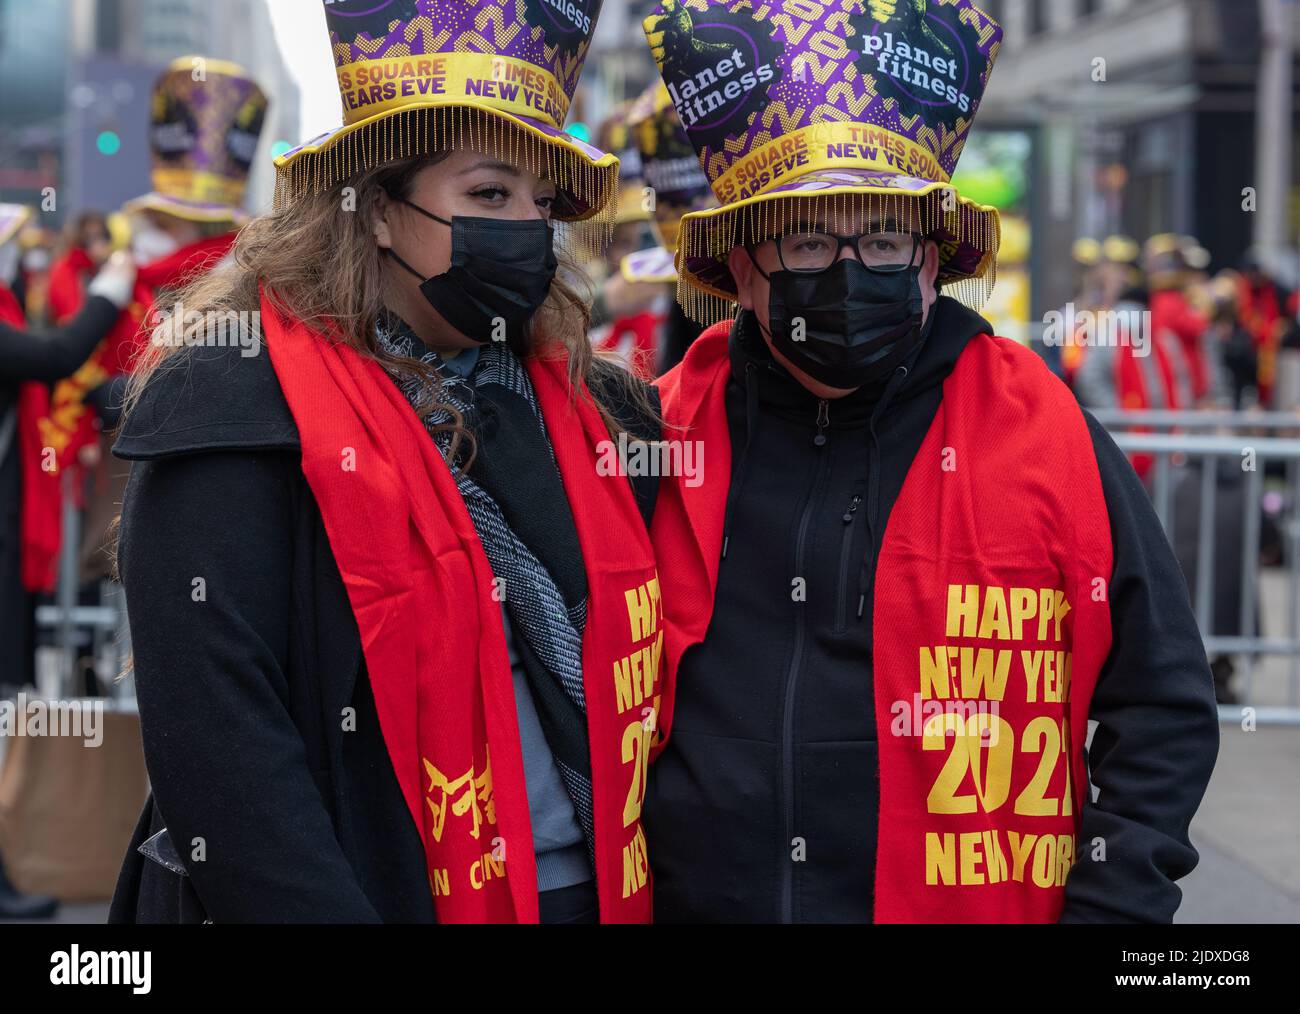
858,325
500,275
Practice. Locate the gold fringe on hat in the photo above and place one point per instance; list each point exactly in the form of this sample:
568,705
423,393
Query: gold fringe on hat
426,130
713,234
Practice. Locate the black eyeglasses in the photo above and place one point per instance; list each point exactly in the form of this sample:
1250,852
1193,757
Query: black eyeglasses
817,250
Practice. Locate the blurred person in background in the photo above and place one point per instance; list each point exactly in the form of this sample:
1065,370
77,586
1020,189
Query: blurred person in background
27,360
1229,341
1135,370
1261,309
1164,260
37,245
203,135
392,700
1064,360
1108,277
628,312
677,185
86,245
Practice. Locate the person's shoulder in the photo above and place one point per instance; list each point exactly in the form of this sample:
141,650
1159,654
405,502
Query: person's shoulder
209,398
631,400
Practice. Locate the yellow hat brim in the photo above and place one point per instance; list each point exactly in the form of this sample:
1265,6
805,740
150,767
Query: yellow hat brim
188,210
335,157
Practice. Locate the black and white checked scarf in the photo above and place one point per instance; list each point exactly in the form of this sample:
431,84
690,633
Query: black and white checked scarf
536,606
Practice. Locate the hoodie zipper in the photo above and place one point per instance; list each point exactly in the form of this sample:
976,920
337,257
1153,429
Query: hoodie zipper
796,661
873,491
846,545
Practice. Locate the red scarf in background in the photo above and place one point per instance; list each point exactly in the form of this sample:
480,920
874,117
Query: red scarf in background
642,329
10,312
429,617
37,541
1260,314
53,428
67,289
1171,312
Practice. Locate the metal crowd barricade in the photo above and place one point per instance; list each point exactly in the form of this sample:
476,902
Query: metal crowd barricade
1271,436
101,629
1175,440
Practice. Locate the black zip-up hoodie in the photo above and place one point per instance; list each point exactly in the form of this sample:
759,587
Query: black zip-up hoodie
763,806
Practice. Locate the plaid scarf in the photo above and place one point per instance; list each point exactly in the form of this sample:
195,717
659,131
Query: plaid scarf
536,606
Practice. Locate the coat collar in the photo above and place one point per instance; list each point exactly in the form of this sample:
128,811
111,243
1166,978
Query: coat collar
209,399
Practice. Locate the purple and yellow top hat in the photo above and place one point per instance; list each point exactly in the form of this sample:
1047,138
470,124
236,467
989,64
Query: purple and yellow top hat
672,171
12,218
206,121
419,76
864,105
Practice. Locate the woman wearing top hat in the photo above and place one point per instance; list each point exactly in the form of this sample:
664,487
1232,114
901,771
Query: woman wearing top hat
396,632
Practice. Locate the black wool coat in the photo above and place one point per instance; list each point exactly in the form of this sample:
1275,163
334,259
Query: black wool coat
263,745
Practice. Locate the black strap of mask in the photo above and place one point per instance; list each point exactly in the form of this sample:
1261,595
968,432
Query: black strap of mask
393,254
422,211
427,214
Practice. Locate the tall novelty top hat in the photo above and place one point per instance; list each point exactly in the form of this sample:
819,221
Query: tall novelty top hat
206,121
420,76
864,105
673,174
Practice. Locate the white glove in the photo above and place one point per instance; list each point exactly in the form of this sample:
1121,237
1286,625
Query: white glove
115,281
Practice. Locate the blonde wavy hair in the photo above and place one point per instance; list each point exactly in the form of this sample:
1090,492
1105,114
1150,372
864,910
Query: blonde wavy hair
318,263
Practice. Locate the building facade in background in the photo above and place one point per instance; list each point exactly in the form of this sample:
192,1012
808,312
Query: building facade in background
33,71
1143,116
75,83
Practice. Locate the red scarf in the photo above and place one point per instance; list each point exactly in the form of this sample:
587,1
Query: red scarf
67,288
1259,312
53,428
422,592
1172,313
1133,388
39,539
10,312
642,329
1002,499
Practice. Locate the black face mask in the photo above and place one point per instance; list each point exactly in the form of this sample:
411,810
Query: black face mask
500,274
858,324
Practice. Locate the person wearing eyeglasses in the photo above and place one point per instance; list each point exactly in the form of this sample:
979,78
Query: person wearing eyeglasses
913,570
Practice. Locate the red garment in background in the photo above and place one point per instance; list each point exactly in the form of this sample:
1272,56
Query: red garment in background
1259,312
10,312
643,330
1133,392
68,277
1171,312
39,536
54,427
